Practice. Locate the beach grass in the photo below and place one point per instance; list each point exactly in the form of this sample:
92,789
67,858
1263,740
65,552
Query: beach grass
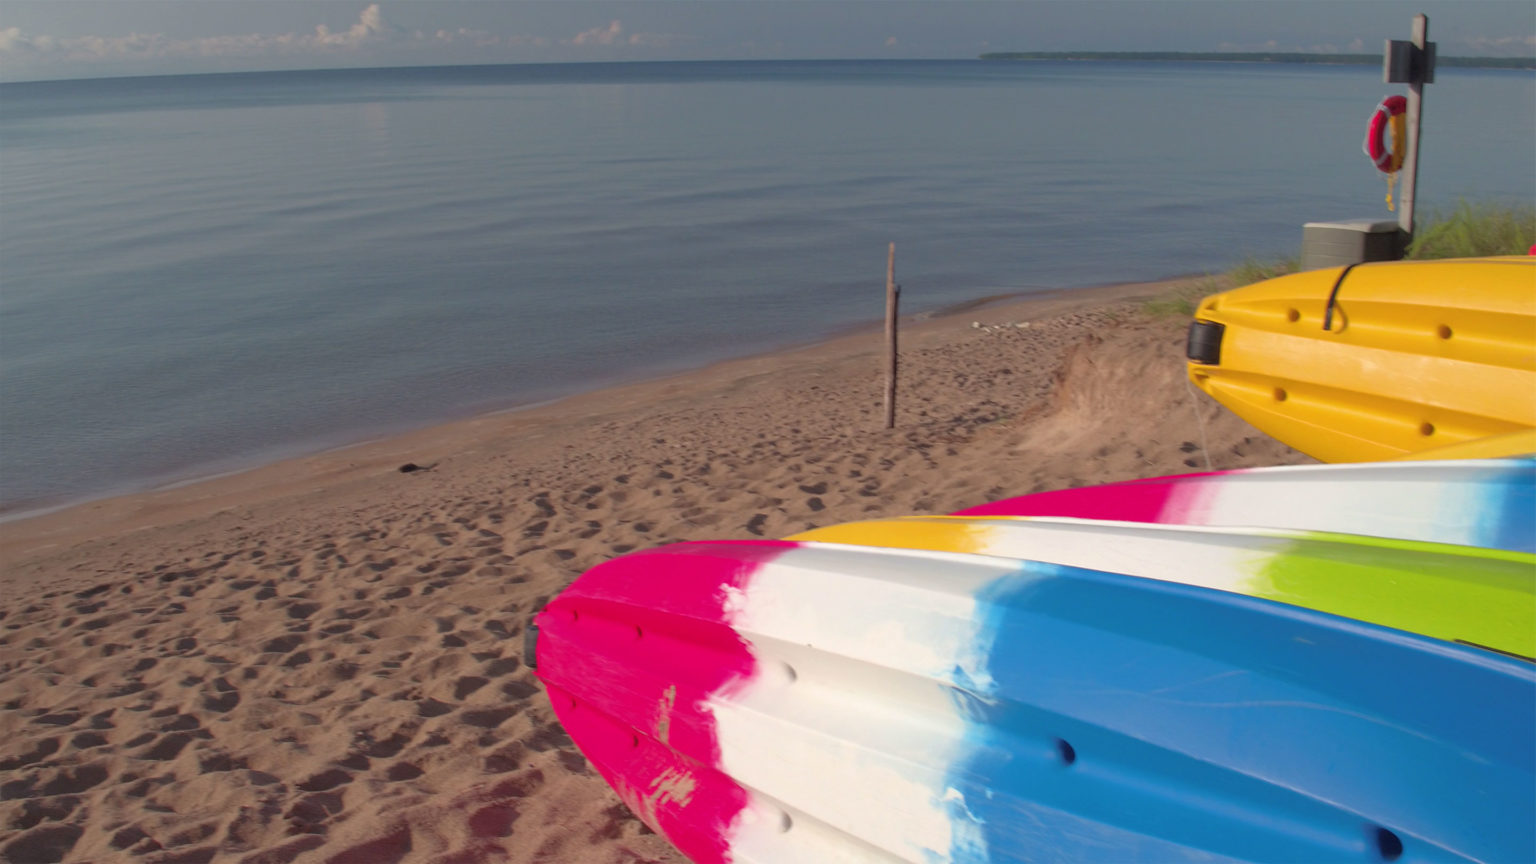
1253,270
1181,302
1476,229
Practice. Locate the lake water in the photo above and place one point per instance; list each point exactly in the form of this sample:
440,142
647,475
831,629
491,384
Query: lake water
203,273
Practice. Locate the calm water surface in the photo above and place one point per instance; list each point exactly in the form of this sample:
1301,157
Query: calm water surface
207,272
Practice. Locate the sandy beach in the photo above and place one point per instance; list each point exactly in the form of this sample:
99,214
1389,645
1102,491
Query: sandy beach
320,660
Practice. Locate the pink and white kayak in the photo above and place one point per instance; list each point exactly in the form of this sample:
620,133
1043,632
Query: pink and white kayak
1489,503
804,701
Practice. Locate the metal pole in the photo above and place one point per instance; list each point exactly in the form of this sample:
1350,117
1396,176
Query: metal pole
1414,115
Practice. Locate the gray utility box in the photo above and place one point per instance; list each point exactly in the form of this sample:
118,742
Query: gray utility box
1339,244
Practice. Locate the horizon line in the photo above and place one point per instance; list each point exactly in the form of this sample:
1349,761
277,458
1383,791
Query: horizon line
1488,62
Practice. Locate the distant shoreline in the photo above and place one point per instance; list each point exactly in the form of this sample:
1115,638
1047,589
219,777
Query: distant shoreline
1256,57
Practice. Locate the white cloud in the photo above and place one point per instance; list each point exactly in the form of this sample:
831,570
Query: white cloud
369,29
1475,45
1357,46
1273,46
12,39
370,38
661,40
613,34
1500,44
474,38
370,25
600,35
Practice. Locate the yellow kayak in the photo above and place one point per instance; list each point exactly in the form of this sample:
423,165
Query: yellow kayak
1378,361
1522,443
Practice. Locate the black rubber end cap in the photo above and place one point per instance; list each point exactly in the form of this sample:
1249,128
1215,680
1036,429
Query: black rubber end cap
1204,346
531,646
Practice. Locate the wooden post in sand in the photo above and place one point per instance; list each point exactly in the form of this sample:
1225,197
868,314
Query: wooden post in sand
892,295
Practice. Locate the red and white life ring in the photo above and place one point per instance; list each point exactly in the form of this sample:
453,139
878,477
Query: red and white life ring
1389,115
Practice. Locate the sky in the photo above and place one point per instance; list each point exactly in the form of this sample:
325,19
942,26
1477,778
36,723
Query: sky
41,39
